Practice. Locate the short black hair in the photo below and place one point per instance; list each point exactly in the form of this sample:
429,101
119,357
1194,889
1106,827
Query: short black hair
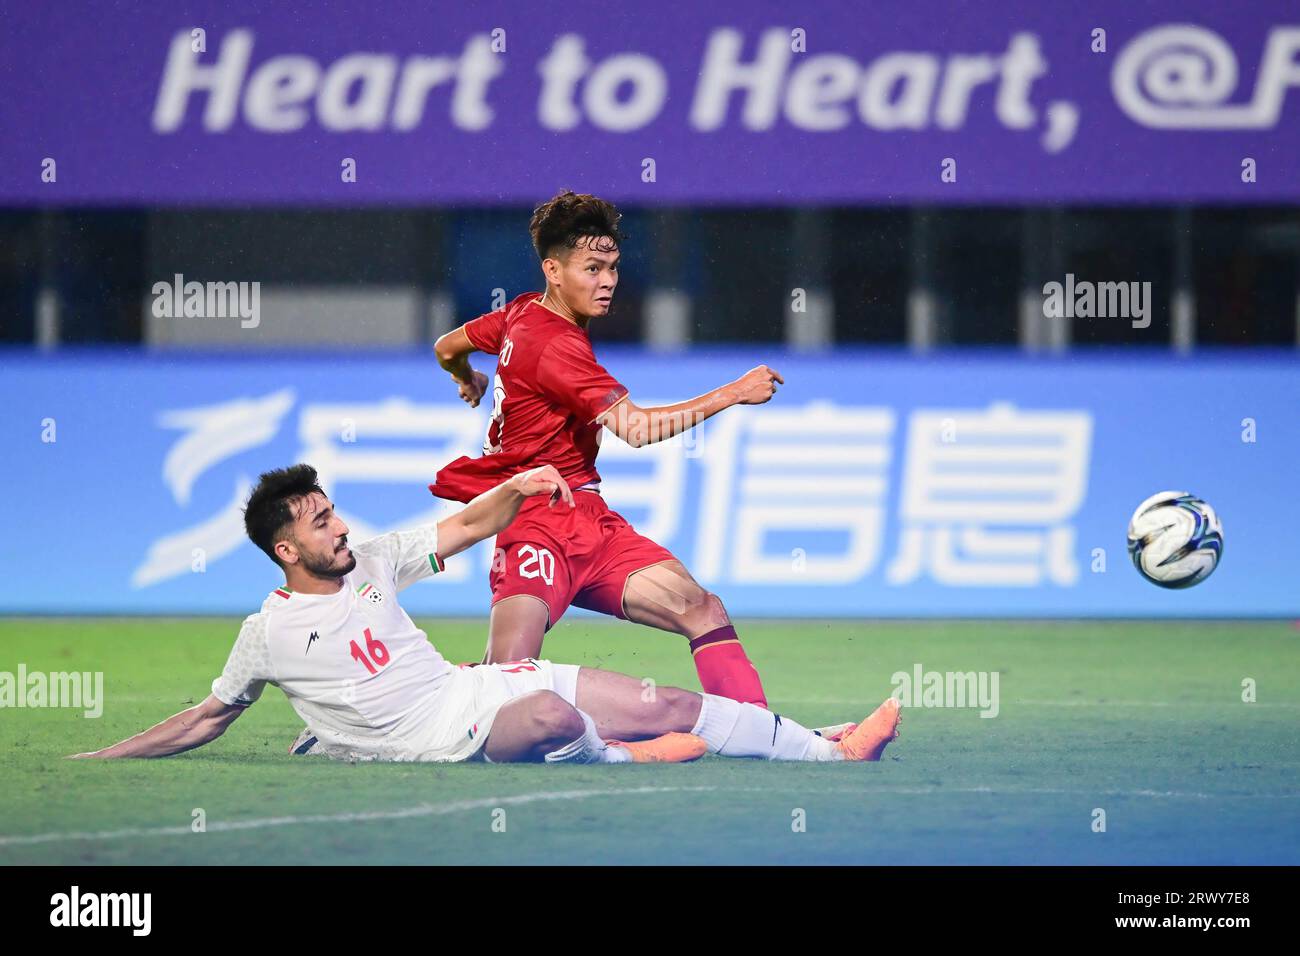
268,511
568,217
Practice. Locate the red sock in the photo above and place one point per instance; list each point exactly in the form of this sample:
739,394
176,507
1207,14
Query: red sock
724,668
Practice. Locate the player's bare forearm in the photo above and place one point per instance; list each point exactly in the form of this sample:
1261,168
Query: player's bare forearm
191,728
453,350
491,512
488,514
644,426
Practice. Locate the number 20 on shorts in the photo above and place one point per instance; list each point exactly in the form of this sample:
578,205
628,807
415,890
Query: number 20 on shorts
537,562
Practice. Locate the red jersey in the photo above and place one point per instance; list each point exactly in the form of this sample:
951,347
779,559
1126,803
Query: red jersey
548,393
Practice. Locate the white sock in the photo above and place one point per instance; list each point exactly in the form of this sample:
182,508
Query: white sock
732,729
588,748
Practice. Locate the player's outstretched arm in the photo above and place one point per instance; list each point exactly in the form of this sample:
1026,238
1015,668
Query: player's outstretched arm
493,510
200,724
453,351
644,426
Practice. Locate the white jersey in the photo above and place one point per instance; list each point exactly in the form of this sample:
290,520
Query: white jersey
353,664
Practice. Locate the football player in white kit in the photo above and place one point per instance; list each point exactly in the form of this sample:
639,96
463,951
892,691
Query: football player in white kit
371,686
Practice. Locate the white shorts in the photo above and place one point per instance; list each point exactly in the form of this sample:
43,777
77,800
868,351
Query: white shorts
468,703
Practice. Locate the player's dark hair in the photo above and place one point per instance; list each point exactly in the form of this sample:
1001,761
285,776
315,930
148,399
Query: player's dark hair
561,222
269,509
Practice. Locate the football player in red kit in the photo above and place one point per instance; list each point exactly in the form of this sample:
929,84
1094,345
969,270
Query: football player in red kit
551,399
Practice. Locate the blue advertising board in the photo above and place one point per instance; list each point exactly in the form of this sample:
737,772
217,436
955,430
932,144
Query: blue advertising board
873,484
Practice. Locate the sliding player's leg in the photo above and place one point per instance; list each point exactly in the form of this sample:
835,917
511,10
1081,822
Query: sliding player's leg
665,596
624,707
528,710
542,726
533,726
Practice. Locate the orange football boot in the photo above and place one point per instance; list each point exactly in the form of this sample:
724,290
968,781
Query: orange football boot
867,741
670,748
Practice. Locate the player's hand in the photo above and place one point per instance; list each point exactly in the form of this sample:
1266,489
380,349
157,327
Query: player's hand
757,386
544,481
472,391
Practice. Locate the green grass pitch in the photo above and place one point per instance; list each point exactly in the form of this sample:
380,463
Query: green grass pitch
1142,720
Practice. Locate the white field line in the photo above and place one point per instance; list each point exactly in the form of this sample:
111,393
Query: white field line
260,823
1156,703
1051,791
460,806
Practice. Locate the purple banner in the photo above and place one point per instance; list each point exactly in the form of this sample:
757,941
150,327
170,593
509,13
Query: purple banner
353,103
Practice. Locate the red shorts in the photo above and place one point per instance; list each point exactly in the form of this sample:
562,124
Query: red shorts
581,555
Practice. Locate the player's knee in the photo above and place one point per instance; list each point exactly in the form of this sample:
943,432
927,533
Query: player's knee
705,613
554,718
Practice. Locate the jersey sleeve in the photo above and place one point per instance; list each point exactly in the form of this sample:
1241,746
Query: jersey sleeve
410,555
248,668
568,373
485,332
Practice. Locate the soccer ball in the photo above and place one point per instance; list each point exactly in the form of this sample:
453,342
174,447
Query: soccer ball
1175,539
